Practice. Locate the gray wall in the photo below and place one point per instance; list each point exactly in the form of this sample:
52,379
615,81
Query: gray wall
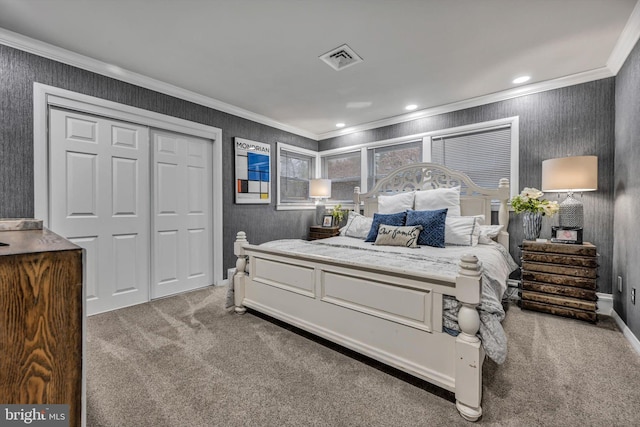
576,120
626,228
19,70
571,121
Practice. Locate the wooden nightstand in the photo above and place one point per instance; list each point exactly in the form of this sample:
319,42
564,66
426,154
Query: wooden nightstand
560,279
318,232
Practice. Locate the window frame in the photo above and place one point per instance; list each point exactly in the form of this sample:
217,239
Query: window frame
280,205
371,152
322,158
512,122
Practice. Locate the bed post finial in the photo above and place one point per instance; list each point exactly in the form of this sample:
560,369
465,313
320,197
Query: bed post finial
469,351
356,198
239,277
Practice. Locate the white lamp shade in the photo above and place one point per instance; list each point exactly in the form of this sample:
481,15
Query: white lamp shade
320,188
578,173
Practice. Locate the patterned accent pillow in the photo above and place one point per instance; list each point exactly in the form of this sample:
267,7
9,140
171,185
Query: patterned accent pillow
357,226
389,235
433,224
396,219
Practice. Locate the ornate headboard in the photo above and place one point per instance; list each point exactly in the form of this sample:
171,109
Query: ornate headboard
474,200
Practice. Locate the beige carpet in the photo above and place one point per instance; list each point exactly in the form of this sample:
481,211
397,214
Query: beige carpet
186,361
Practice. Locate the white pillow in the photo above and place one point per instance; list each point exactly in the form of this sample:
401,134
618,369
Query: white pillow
488,233
357,226
491,231
396,203
439,198
461,231
480,219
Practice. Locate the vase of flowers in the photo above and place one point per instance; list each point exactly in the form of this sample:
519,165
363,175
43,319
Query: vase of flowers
338,215
533,208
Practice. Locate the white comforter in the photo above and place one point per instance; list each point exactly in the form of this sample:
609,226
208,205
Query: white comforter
497,264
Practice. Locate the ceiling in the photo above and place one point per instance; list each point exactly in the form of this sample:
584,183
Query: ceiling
260,57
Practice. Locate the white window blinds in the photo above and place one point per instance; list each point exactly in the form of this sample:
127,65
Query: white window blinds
485,156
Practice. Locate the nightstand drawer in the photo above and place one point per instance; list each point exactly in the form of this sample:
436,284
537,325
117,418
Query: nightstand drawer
589,316
579,261
567,291
557,279
561,301
565,270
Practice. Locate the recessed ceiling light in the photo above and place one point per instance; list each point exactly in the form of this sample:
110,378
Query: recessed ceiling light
339,125
521,79
411,107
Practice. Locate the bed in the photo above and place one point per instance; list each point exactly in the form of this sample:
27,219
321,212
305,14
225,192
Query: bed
422,310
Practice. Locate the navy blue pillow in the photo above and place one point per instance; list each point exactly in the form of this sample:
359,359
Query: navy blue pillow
396,219
432,223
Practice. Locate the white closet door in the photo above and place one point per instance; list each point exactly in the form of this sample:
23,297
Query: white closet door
99,178
182,221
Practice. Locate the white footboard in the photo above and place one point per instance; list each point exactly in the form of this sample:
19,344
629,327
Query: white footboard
392,316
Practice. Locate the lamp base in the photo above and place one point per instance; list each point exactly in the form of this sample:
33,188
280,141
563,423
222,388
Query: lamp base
320,211
571,212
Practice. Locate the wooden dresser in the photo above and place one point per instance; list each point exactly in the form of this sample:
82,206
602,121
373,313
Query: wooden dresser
560,279
318,232
41,320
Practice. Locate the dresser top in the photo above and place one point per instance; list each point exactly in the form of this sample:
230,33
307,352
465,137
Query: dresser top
33,241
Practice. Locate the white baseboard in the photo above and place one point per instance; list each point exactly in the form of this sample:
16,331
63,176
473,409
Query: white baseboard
605,304
633,340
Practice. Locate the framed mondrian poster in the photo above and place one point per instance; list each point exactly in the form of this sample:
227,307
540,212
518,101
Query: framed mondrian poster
253,171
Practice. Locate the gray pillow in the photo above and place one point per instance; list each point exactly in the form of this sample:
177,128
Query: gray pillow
357,226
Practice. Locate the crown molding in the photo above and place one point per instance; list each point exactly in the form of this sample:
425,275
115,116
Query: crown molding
623,47
626,42
46,50
574,79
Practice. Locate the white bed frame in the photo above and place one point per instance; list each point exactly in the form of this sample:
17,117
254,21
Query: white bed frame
394,316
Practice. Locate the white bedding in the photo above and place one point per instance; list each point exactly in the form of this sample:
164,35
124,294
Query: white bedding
496,262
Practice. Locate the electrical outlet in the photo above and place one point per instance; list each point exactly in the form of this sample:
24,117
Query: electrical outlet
633,296
619,283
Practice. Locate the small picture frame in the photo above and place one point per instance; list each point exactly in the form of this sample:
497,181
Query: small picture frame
570,235
327,220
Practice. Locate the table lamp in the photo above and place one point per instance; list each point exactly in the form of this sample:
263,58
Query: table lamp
570,174
320,189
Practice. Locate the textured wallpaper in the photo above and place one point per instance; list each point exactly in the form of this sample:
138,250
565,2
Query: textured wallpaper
577,120
626,248
19,70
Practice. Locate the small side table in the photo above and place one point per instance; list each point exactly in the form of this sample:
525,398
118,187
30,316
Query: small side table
560,279
318,232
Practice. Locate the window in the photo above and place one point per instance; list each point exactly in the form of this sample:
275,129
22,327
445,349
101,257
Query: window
344,172
484,155
385,159
296,166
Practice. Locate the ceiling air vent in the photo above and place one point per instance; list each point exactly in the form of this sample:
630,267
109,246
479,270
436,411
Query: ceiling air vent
341,57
